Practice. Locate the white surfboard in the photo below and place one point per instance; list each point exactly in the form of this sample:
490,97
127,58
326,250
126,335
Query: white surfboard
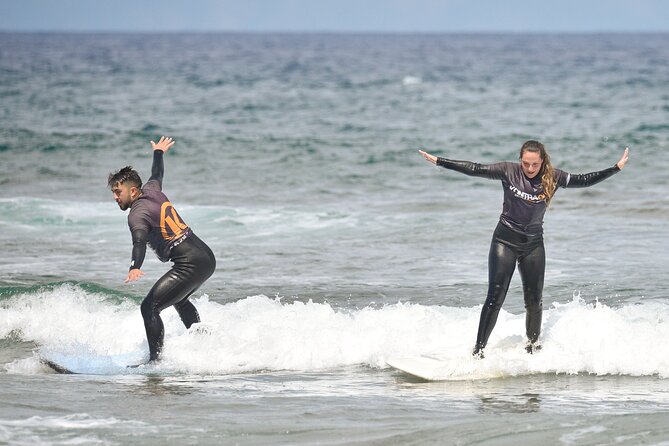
427,367
90,364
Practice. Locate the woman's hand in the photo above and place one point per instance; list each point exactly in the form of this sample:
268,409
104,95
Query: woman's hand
431,158
623,159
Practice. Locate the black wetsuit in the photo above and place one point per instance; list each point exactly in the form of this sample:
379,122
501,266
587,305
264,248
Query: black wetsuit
153,219
518,238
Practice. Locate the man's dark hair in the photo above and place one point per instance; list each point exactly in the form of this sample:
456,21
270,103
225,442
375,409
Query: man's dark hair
125,175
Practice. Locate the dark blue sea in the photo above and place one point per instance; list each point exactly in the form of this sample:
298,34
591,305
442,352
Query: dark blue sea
338,246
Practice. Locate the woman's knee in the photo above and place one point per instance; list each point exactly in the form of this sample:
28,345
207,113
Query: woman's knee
496,296
533,299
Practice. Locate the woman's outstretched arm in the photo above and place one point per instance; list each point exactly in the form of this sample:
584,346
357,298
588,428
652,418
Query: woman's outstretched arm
589,179
491,171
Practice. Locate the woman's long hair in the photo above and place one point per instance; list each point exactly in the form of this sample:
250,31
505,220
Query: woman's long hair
547,171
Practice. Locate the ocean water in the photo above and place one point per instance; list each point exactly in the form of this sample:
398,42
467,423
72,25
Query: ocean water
338,246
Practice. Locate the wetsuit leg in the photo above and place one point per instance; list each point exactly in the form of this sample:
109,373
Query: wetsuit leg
187,312
501,265
169,290
193,264
532,267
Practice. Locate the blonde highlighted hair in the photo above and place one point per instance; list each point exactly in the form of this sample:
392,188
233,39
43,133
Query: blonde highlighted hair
547,171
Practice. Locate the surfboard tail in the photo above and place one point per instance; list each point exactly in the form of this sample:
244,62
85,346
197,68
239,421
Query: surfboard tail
56,367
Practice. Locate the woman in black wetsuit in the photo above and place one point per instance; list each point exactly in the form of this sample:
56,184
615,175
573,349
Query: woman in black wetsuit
529,187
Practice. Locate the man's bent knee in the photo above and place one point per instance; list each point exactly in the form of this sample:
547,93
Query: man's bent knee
148,309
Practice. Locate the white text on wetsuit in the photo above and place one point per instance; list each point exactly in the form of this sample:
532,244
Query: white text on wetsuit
524,195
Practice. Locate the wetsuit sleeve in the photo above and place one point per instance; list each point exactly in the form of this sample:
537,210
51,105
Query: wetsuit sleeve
495,171
139,239
157,168
589,179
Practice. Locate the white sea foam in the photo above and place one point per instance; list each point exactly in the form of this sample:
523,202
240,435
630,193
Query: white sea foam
94,335
284,221
77,428
411,80
73,421
40,212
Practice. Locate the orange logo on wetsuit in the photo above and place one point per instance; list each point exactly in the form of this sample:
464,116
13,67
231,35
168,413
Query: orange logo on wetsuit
171,225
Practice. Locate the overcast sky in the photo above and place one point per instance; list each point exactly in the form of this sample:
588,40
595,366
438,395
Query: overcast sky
335,15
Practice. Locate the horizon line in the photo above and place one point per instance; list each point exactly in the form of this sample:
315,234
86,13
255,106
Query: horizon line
324,32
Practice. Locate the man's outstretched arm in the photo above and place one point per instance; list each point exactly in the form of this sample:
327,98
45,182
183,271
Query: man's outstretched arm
157,168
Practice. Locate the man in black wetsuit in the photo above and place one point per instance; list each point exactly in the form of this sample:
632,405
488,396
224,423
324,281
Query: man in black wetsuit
153,219
528,188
